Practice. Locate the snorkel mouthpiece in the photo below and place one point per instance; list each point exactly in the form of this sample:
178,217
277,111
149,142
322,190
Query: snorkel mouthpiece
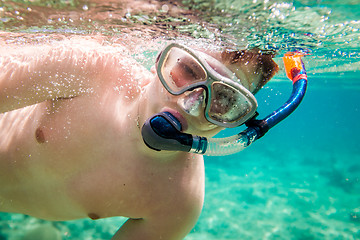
163,131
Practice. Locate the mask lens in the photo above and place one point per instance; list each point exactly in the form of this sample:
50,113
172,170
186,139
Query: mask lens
228,104
220,69
180,70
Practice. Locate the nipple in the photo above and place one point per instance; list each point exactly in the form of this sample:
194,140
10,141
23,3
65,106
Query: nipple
40,136
93,216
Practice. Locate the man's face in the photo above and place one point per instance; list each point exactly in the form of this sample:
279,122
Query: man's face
188,108
179,70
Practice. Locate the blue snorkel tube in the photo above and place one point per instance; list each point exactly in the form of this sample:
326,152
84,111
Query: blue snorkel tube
163,131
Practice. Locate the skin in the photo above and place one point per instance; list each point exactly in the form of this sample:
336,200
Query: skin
71,146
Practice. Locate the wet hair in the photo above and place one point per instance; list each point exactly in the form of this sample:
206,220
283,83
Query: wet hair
263,61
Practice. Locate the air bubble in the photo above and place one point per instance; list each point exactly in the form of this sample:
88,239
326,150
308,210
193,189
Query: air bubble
165,8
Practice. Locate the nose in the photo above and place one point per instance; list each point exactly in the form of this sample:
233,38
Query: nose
197,93
192,102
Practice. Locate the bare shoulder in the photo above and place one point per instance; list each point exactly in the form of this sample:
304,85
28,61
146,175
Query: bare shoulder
35,71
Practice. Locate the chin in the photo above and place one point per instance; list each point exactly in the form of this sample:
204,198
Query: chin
202,128
208,133
192,124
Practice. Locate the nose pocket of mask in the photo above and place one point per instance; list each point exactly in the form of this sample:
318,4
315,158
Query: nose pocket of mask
193,102
227,104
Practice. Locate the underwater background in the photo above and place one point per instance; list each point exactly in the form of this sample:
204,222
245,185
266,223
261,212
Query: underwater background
301,180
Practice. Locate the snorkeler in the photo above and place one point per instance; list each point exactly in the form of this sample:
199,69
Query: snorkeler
76,136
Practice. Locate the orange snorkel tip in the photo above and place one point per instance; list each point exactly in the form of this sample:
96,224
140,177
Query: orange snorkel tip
294,66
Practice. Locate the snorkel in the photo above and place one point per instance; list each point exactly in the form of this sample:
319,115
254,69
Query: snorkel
163,131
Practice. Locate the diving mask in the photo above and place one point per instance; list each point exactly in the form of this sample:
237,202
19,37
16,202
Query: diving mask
227,103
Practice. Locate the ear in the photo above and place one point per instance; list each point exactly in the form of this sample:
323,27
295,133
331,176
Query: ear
253,67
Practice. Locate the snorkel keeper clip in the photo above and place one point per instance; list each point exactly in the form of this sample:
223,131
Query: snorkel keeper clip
163,131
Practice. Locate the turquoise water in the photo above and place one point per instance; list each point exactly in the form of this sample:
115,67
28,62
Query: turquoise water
300,181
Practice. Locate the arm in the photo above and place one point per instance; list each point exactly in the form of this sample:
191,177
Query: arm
63,69
170,225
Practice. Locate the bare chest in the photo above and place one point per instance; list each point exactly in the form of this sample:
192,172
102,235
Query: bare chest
47,148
